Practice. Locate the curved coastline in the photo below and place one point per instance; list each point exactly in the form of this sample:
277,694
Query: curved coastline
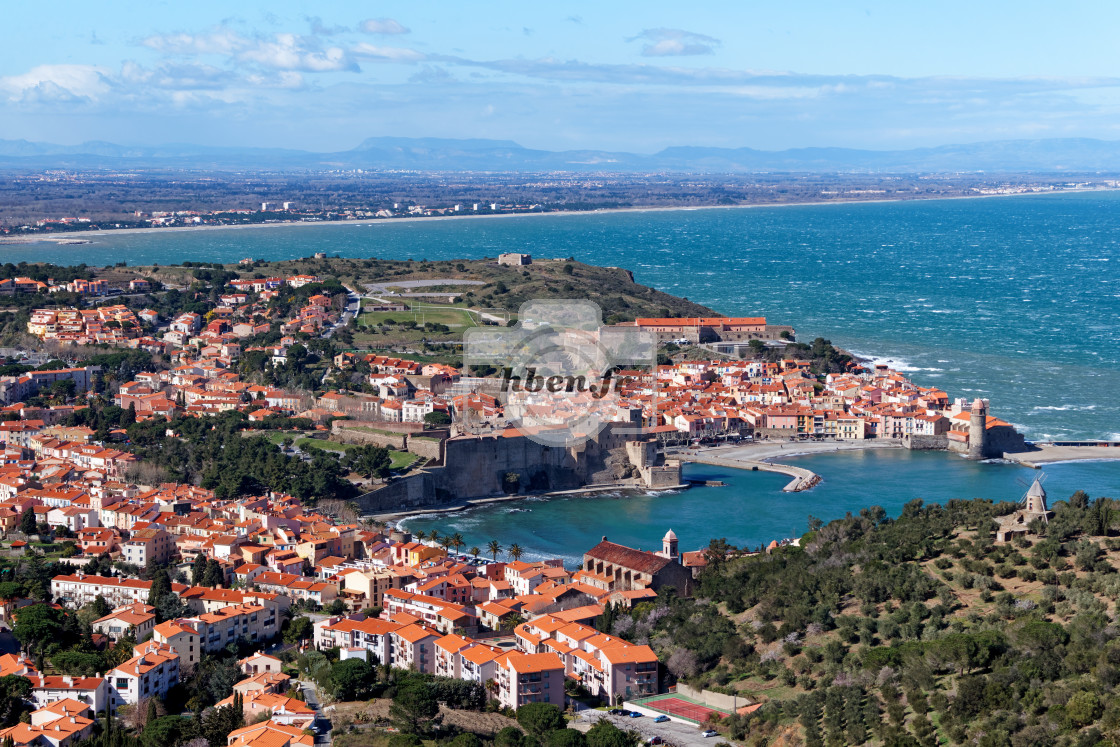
360,222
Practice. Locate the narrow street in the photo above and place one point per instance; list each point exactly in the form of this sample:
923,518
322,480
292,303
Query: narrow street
321,722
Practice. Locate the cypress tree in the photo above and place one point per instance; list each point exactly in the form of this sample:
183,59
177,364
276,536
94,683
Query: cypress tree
198,569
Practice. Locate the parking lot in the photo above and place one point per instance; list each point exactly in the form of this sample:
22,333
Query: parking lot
673,732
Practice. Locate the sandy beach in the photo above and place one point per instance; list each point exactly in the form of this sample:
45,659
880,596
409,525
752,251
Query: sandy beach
87,235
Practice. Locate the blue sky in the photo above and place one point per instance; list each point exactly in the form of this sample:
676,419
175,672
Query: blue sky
637,76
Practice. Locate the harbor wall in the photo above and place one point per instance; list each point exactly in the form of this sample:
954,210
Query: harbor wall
926,443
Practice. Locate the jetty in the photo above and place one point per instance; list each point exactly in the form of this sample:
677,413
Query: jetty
1065,451
803,479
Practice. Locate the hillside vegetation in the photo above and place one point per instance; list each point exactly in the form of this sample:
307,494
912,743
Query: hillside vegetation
503,287
915,631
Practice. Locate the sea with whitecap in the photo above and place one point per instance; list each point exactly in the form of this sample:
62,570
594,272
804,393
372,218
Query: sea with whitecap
1014,299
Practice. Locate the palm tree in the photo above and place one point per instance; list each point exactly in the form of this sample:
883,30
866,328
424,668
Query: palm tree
434,537
475,552
446,540
494,548
457,541
421,535
515,552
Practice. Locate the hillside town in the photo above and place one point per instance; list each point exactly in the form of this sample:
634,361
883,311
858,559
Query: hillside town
241,560
693,399
390,598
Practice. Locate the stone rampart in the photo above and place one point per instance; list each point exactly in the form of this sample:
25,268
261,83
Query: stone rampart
366,435
476,467
429,447
926,443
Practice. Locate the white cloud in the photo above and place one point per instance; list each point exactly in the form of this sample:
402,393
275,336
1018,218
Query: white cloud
675,43
292,52
383,26
221,41
278,52
386,54
52,83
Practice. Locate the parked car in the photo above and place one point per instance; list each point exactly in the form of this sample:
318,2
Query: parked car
661,719
655,740
635,714
617,712
710,733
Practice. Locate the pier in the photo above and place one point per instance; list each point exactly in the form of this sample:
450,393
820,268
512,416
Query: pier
803,479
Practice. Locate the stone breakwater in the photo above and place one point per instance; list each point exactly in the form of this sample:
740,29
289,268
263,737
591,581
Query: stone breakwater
803,479
760,455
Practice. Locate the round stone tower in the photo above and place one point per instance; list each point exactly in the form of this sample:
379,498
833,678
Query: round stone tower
669,545
978,430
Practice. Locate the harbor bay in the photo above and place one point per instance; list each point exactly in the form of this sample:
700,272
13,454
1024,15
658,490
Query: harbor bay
751,509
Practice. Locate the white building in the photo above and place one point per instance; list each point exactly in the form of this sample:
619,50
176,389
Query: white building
151,673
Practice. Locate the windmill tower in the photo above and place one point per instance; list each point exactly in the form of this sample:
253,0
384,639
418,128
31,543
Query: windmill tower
1032,506
1034,501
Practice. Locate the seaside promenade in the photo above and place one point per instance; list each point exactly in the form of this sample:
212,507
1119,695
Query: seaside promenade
759,455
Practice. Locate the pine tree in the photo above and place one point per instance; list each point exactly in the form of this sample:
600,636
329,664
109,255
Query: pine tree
161,585
153,712
27,523
213,576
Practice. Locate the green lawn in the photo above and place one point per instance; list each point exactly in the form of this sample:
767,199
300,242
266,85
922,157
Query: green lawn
399,460
318,443
452,316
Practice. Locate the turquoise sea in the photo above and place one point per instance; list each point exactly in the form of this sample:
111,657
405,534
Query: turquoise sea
752,509
1015,299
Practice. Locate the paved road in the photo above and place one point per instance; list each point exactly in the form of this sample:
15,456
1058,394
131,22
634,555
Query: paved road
673,732
353,304
311,697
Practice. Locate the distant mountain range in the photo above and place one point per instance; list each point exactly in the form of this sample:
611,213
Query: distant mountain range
437,154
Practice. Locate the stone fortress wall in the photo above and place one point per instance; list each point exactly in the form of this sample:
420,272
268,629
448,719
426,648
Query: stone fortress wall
474,467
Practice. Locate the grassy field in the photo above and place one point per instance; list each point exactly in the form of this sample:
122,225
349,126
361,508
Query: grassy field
399,460
452,316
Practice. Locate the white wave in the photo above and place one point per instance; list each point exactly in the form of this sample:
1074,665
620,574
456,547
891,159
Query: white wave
1062,408
895,364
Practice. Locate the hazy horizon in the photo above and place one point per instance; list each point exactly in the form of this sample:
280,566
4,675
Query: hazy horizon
359,142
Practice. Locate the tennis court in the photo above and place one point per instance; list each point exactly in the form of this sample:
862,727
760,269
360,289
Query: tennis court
680,706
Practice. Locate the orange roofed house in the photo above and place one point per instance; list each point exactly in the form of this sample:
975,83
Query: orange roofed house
530,678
